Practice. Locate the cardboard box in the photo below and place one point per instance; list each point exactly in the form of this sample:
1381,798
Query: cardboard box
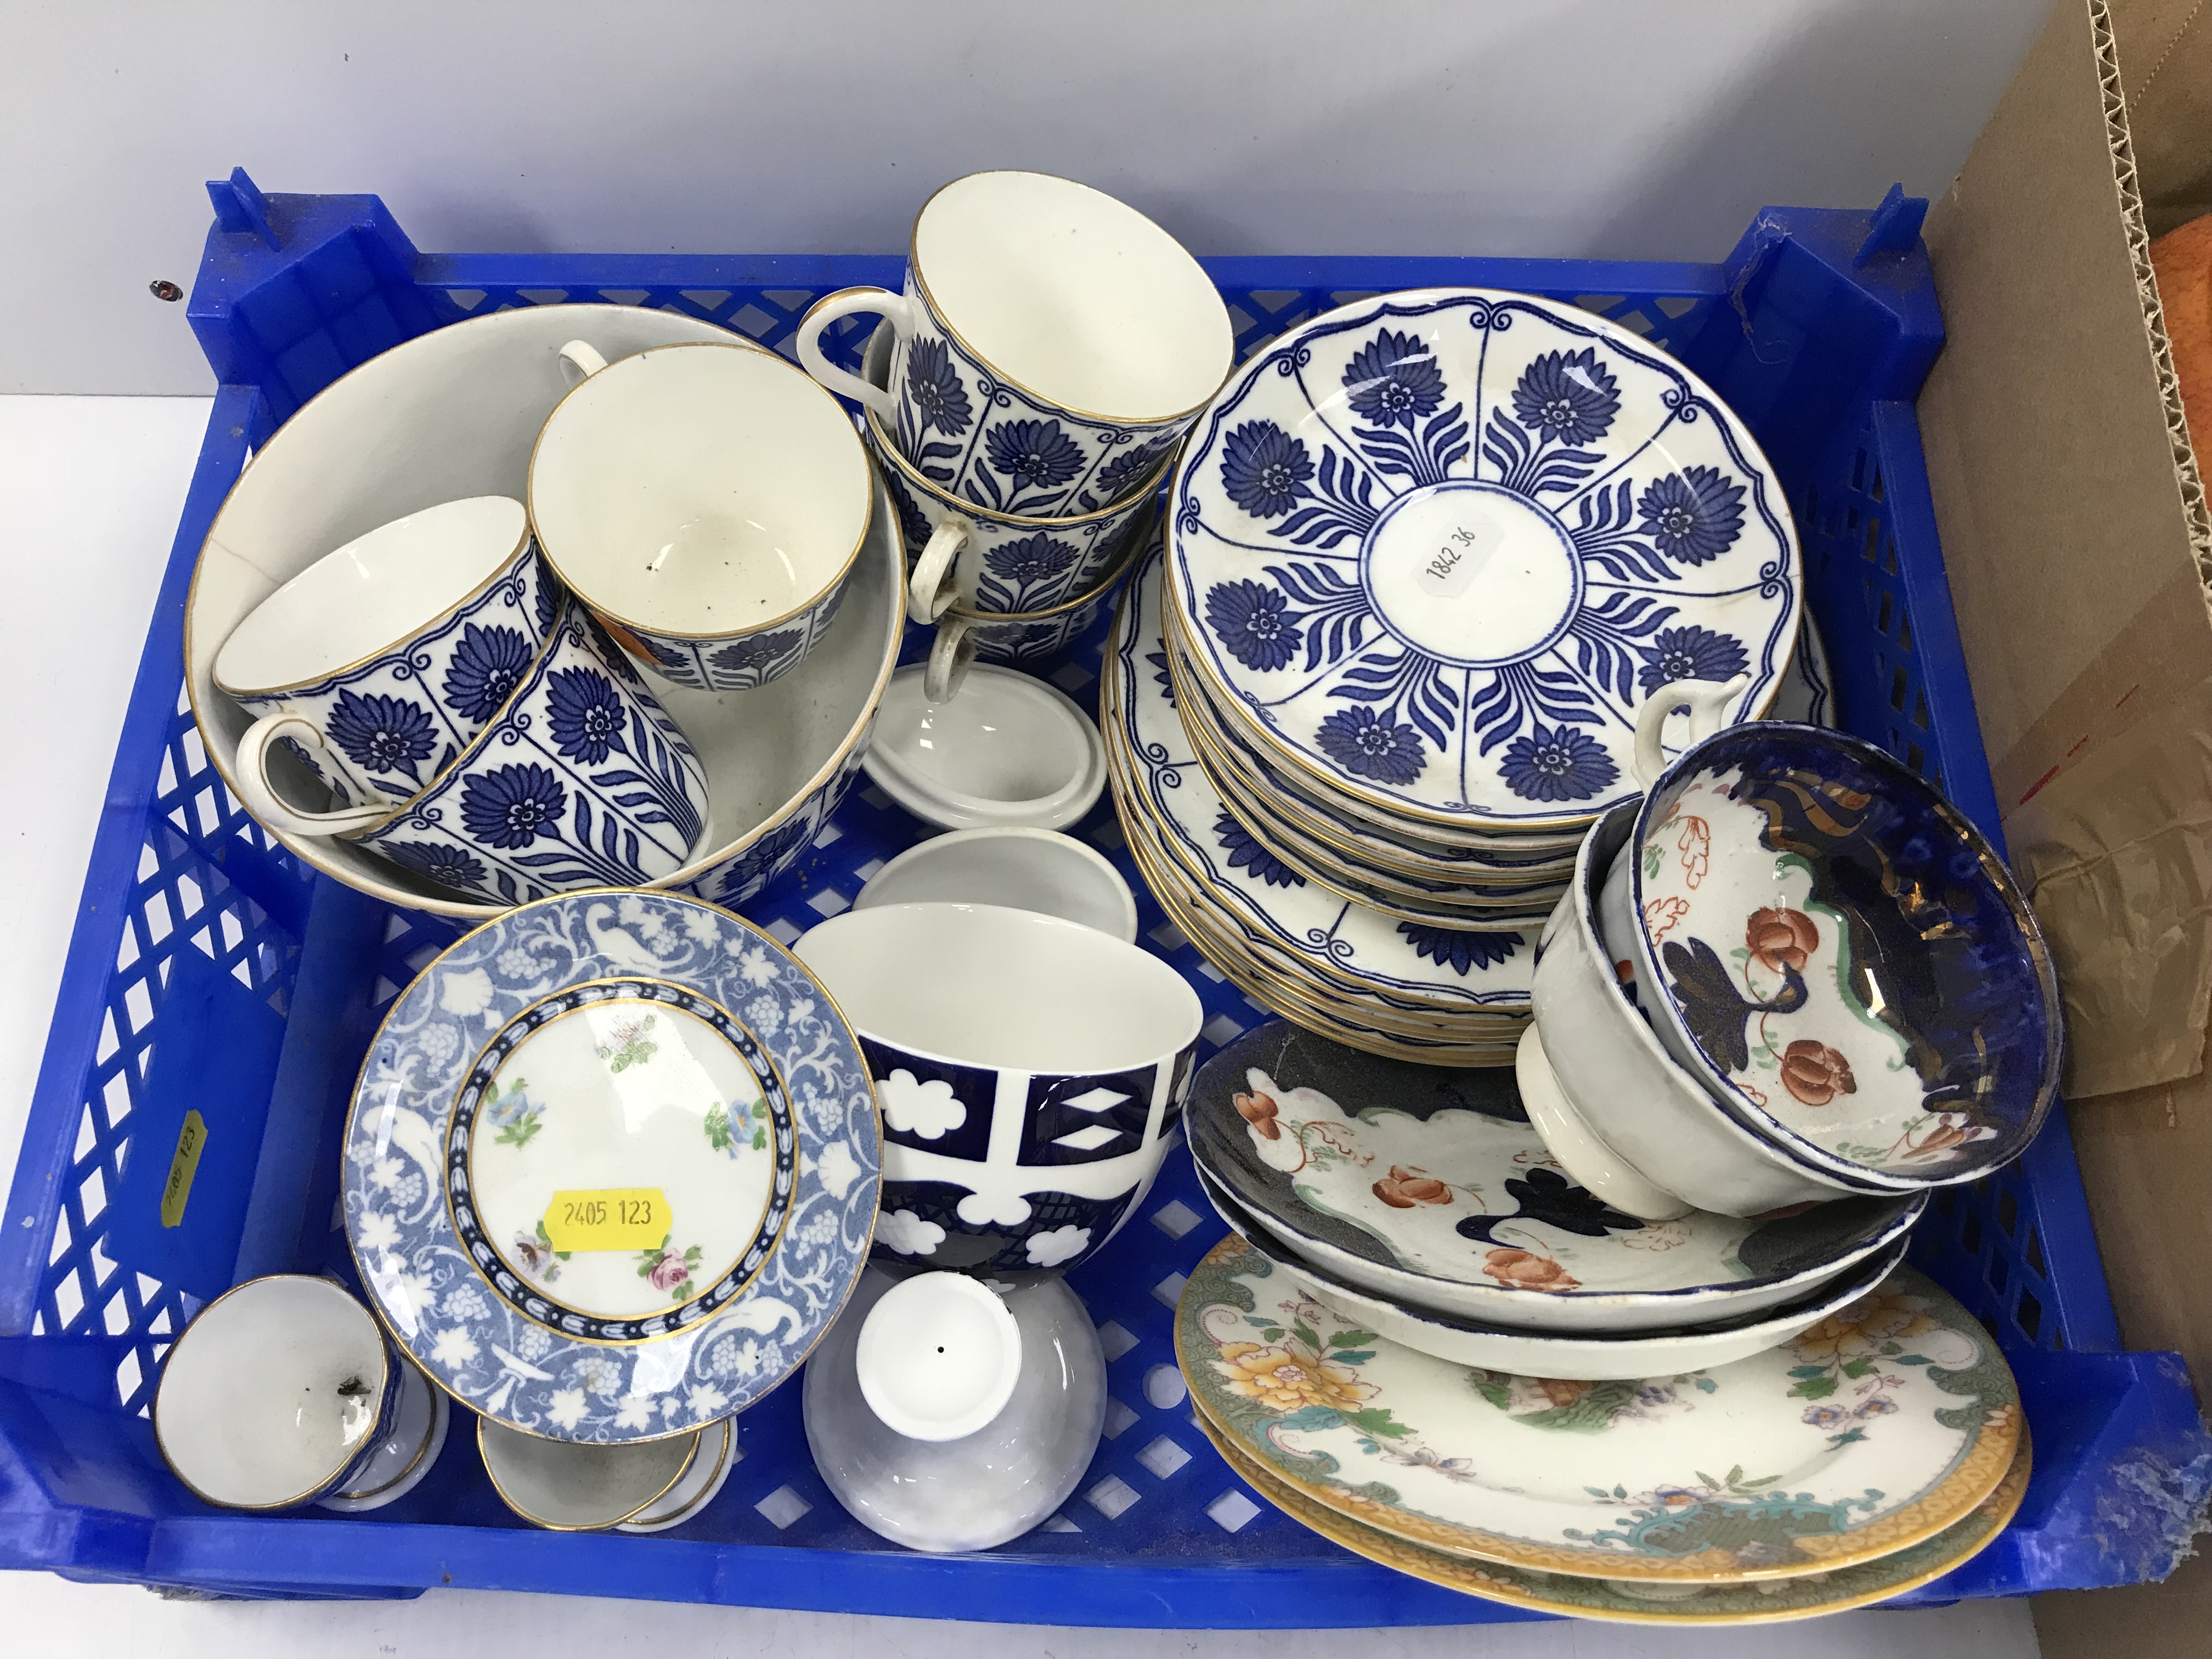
2078,547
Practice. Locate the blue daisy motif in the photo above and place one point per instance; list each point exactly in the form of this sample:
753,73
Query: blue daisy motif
1032,559
1394,380
913,527
1254,621
1559,763
1368,746
764,856
1690,653
587,713
1159,662
487,665
1264,469
933,386
382,734
1245,853
1036,455
449,867
1461,952
514,805
757,653
1126,468
1693,516
1568,396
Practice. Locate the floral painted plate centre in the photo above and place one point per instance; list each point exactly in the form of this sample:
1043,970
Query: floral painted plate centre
615,1147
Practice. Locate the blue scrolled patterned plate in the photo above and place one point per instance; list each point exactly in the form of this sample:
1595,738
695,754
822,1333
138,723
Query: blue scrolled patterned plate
612,1167
1435,548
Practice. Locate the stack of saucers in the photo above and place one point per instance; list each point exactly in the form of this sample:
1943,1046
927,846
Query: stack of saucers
1429,554
1429,1344
1405,989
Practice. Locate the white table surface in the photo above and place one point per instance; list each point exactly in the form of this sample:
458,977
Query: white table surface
91,489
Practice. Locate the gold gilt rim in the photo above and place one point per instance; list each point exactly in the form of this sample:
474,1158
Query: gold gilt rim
1229,779
508,1498
1990,1517
1440,1044
1193,889
386,1381
814,598
1309,1008
922,283
1171,604
1274,838
1196,702
1975,1473
439,1404
728,1425
509,561
453,1123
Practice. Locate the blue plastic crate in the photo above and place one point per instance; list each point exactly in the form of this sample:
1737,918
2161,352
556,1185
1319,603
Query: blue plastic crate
209,972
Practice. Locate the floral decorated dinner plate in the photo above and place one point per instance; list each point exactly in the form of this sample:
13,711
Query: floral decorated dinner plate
611,1166
1440,545
1427,1186
1635,1601
1879,1427
1589,1356
1337,936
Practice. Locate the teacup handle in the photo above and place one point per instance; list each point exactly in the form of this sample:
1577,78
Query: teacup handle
583,357
1589,1162
1705,702
262,800
950,658
853,301
931,590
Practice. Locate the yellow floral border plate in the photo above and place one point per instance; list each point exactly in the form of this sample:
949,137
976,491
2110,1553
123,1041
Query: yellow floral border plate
1764,1601
1882,1426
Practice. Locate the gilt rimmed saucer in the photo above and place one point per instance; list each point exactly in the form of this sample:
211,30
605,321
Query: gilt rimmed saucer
1434,548
1429,1187
611,1166
1328,935
1878,1427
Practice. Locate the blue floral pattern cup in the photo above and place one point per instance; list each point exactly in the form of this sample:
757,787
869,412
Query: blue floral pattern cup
396,713
707,503
581,780
1053,345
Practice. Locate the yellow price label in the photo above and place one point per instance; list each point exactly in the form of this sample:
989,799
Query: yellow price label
619,1219
177,1191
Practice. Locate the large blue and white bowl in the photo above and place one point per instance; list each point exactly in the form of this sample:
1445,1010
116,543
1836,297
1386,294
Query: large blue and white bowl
454,413
1432,550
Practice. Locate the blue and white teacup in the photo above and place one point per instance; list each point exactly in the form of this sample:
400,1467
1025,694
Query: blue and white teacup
1053,344
396,649
580,780
1031,1073
707,503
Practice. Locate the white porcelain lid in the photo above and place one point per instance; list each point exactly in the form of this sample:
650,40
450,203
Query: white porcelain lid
938,1357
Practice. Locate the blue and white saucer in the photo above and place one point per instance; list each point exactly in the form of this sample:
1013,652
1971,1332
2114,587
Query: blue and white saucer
1433,549
612,1167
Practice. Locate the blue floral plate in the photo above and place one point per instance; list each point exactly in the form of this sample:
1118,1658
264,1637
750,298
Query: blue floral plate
612,1167
1435,548
1322,938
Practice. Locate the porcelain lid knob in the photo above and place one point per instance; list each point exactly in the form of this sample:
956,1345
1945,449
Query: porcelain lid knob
938,1357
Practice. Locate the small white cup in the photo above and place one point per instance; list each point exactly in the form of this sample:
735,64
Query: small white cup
707,503
566,1485
1013,866
282,1389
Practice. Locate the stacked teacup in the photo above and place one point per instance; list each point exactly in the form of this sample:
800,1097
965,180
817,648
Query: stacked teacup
1025,396
1792,971
466,680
